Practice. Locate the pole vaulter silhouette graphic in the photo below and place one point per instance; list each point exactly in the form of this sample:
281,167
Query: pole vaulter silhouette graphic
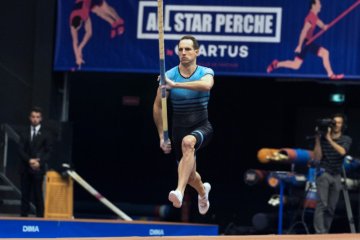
80,18
306,42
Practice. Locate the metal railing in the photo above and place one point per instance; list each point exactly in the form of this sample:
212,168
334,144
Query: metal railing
10,134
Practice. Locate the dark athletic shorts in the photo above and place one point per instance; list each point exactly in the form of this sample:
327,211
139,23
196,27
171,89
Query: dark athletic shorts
312,48
202,131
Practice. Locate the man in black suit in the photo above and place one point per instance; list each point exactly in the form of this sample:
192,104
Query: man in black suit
34,147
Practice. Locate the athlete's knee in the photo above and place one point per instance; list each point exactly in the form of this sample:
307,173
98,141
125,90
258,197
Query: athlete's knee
297,64
324,53
188,143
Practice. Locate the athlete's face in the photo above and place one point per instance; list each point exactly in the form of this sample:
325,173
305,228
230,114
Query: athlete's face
187,53
317,6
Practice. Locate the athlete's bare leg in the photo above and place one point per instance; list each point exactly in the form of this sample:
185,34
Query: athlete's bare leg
187,163
196,183
109,10
325,56
108,13
99,12
292,64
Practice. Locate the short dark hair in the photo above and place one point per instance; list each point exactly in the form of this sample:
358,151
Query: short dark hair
36,109
193,39
312,2
339,114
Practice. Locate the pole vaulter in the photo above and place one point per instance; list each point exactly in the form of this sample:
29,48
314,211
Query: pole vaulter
333,22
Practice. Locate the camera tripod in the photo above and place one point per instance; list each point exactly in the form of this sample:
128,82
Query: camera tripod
347,203
312,189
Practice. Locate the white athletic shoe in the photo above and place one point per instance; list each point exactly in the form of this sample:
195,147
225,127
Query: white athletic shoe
203,202
176,198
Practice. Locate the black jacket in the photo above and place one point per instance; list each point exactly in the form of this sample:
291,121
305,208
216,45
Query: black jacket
40,147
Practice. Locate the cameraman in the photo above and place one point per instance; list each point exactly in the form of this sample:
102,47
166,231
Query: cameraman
330,149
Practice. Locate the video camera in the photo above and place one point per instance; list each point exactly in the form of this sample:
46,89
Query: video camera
322,125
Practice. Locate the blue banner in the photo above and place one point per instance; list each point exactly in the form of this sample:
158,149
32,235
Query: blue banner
45,228
272,38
